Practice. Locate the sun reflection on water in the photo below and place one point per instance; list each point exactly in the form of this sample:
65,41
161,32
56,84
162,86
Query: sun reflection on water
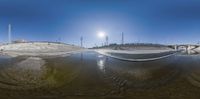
101,62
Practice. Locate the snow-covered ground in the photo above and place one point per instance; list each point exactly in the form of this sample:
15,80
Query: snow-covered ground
144,52
133,51
38,49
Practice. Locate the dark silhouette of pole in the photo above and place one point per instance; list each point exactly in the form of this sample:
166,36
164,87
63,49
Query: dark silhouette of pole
81,41
122,42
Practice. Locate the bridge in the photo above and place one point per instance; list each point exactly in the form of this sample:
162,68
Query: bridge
184,46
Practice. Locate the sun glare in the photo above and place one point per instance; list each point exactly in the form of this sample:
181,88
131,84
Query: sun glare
101,34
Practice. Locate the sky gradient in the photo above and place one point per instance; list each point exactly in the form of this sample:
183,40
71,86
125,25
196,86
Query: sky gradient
152,21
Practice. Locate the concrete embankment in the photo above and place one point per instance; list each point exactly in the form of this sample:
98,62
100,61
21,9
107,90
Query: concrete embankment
197,49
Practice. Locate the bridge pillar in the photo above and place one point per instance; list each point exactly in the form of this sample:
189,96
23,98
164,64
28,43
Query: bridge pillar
188,47
175,47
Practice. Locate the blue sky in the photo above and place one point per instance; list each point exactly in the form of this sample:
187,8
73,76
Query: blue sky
153,21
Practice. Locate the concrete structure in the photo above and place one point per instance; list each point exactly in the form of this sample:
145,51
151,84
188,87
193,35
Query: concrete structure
184,47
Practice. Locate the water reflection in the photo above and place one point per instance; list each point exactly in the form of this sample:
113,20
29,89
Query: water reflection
101,60
190,52
25,74
192,71
194,78
139,75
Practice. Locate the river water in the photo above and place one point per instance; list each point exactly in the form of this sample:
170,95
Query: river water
89,75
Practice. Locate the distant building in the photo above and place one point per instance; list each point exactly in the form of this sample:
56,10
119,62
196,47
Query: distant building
20,41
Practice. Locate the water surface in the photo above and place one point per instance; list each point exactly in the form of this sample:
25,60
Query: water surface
89,75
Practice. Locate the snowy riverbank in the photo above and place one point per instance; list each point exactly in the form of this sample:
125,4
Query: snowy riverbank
38,49
133,51
141,53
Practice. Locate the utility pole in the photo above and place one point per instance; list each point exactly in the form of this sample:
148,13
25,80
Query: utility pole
107,40
122,42
81,41
59,40
9,33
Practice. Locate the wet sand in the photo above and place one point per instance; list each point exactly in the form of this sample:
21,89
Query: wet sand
89,75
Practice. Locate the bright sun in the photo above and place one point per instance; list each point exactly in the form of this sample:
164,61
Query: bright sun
101,34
